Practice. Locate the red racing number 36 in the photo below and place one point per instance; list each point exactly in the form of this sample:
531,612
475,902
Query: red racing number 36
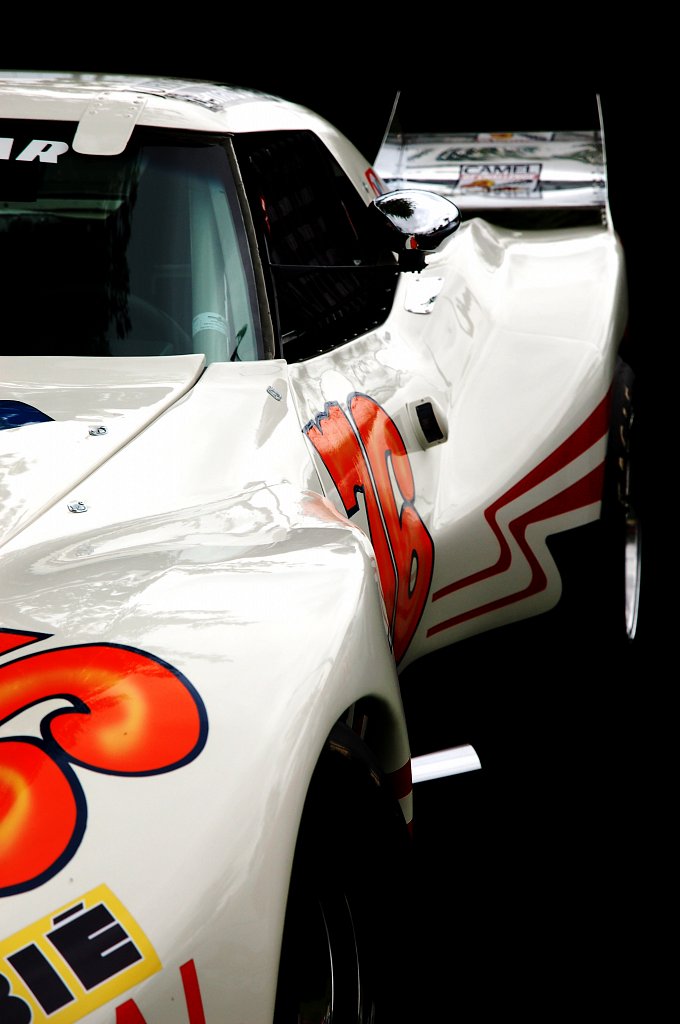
127,713
363,451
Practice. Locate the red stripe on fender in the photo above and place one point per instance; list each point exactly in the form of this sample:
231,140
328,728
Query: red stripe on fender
192,993
590,431
583,492
401,781
129,1013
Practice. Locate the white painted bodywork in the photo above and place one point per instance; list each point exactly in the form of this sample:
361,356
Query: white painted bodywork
214,540
517,349
218,559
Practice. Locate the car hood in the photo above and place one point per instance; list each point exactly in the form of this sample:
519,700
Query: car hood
124,439
62,418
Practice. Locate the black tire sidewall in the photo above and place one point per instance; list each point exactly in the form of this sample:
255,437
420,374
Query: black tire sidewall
354,843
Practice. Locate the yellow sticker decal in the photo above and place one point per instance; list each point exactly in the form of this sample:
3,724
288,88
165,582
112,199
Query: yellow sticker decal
67,964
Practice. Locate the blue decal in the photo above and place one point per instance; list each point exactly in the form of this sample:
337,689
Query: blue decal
16,414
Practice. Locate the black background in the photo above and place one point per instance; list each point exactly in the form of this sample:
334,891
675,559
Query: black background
540,879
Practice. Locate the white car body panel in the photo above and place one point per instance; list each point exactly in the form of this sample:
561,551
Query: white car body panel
514,380
206,526
173,550
93,415
222,866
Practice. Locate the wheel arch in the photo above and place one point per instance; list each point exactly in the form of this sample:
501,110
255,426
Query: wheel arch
353,850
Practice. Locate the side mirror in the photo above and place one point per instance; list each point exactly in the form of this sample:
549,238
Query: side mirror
414,222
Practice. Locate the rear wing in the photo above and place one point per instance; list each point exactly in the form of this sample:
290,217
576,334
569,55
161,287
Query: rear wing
515,178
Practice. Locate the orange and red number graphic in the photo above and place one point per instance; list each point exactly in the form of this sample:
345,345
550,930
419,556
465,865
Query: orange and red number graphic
363,451
126,713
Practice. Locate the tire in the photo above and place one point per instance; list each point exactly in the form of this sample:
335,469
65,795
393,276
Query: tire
347,919
621,512
601,563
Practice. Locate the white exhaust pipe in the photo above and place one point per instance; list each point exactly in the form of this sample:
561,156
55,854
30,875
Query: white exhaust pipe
441,763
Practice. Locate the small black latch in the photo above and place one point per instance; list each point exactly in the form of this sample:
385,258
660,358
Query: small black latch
429,423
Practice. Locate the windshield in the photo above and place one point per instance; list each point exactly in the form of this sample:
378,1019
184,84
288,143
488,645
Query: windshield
133,255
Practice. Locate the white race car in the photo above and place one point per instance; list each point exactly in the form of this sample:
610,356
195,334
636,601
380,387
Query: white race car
271,431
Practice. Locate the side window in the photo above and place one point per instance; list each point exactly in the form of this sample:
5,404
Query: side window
328,282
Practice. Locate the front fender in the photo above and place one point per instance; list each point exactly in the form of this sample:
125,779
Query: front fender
273,632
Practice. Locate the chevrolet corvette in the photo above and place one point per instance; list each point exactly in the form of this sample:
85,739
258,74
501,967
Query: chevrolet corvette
275,424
